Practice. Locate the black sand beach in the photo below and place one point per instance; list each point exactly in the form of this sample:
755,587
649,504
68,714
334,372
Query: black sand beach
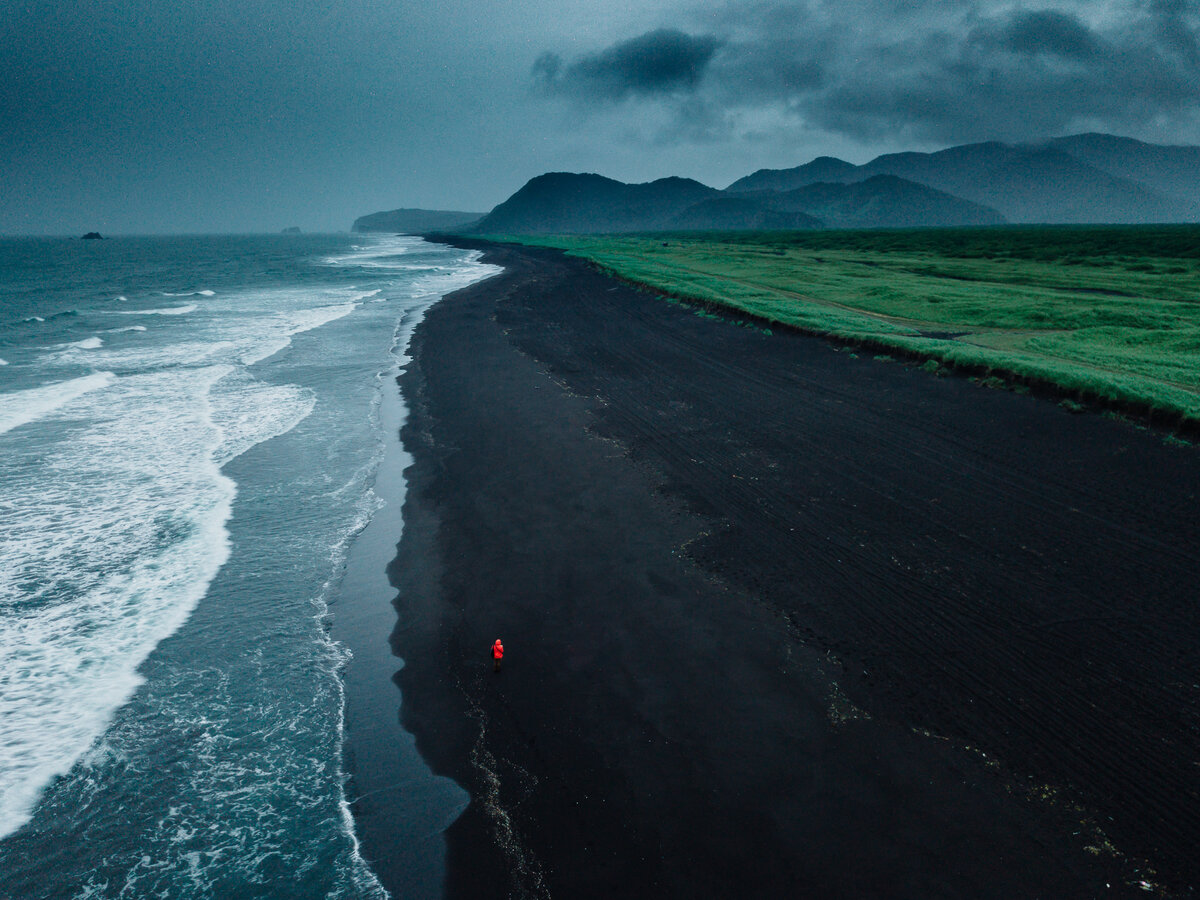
780,620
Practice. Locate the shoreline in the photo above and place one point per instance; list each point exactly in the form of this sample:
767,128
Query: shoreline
727,626
398,807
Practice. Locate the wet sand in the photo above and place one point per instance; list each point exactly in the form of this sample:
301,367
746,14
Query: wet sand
400,808
780,620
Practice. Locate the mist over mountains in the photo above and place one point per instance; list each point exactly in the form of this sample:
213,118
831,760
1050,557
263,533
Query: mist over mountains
1080,179
1085,178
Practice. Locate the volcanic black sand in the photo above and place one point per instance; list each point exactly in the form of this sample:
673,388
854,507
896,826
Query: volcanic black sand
782,620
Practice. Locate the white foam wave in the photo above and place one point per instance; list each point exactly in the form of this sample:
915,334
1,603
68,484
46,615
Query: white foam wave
113,556
439,284
166,311
247,413
138,358
92,343
126,328
242,329
3,362
309,319
203,293
122,299
118,545
106,559
284,326
22,407
380,254
34,319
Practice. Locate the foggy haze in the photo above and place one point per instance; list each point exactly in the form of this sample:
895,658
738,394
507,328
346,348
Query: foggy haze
148,116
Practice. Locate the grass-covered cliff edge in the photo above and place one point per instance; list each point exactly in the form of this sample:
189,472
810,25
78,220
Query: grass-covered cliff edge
1103,313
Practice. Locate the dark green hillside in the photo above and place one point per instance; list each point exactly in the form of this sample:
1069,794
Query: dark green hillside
885,201
741,214
585,203
823,168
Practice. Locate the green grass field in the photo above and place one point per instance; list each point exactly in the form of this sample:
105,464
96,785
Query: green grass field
1110,313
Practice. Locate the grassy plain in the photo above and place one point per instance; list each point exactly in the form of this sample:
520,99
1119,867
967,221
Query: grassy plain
1109,313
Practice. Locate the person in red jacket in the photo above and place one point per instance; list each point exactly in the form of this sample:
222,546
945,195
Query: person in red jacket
497,653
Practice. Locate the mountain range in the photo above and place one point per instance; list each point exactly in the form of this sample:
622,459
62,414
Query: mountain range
1083,178
564,202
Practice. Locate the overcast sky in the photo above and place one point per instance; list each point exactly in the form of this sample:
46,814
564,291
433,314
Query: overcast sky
139,116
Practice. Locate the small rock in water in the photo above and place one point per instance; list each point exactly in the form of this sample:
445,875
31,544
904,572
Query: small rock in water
93,236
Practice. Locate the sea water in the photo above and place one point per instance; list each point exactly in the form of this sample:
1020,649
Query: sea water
189,433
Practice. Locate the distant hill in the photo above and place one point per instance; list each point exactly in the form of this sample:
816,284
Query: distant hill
821,169
1171,170
741,214
1080,179
1035,183
885,201
414,221
567,202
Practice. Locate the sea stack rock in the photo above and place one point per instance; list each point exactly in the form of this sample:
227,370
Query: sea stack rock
92,236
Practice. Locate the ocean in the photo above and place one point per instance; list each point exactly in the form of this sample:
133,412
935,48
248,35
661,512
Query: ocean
190,434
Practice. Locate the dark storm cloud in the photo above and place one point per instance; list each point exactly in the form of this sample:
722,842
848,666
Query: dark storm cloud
1046,31
659,62
1175,23
929,70
1018,75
